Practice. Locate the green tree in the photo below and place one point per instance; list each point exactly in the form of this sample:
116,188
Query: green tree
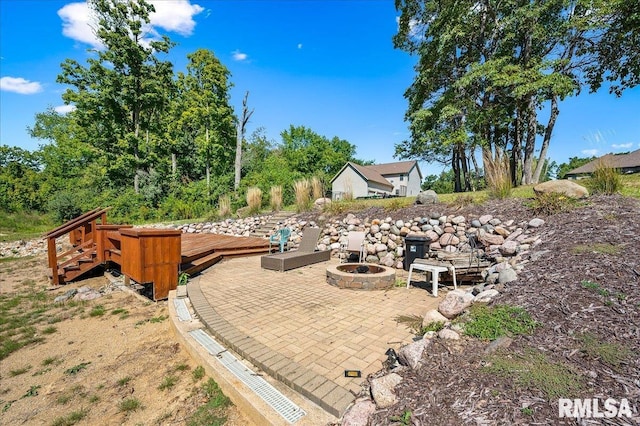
20,180
206,114
486,68
123,89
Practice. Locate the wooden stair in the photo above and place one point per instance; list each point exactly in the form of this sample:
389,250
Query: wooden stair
275,222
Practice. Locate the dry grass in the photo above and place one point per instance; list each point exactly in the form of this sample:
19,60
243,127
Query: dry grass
605,179
224,206
275,198
254,199
316,188
302,190
498,176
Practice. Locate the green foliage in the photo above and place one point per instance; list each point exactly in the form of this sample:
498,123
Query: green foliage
533,369
71,418
77,368
124,381
168,382
19,371
183,278
612,354
403,419
213,413
489,323
550,203
97,311
605,180
129,405
574,163
198,373
64,206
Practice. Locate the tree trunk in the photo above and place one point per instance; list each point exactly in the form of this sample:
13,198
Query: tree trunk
174,164
455,165
246,114
516,150
547,138
208,165
530,143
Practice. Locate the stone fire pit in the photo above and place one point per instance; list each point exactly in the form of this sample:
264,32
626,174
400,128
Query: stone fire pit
361,276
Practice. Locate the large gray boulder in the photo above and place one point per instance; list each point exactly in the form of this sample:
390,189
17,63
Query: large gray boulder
563,186
427,197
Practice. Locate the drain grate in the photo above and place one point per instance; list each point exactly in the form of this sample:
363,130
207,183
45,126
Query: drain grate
182,310
283,405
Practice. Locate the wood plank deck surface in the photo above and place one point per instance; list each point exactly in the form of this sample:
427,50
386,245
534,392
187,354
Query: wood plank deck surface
195,246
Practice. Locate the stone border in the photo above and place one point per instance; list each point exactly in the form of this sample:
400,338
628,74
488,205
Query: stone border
346,280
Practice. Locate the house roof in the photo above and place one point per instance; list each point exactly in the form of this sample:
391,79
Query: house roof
617,161
377,172
398,168
369,174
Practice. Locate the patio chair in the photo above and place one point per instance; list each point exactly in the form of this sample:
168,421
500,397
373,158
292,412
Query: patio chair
354,244
306,254
280,238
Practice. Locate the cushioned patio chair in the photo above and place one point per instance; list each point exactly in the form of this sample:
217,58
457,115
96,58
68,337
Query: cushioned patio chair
306,254
280,238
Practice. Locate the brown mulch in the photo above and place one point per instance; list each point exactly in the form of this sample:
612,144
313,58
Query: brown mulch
573,289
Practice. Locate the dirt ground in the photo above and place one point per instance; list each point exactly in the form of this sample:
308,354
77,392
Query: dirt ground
91,363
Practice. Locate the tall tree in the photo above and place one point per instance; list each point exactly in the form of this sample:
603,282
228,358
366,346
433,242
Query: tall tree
121,91
240,130
486,68
205,95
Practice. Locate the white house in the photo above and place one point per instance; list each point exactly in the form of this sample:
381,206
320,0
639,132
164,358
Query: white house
400,179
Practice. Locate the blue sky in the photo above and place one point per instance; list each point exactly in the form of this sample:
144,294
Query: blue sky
328,65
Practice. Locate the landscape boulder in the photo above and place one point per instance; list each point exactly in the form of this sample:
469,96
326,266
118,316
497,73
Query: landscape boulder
454,303
411,354
563,186
427,197
383,390
358,414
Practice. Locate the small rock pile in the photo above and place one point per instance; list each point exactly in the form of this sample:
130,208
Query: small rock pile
23,248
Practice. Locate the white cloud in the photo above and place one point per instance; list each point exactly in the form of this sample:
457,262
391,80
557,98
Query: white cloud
20,85
239,56
590,152
171,15
176,16
77,23
299,45
64,109
622,145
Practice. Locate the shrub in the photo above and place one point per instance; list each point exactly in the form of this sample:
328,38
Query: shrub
605,179
64,206
254,199
276,198
497,175
550,203
499,320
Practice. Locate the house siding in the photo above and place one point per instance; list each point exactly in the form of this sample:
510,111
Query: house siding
409,186
349,178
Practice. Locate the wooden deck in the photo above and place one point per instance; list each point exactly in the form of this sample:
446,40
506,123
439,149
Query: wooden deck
199,251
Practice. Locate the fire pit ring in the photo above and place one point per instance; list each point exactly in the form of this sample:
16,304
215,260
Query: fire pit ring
361,276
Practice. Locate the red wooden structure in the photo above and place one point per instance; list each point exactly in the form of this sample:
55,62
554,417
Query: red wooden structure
144,255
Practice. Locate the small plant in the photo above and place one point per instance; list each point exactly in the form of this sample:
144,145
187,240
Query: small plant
94,399
605,179
97,311
118,311
77,368
51,360
403,419
547,204
63,399
609,353
301,189
432,326
213,412
462,201
168,382
183,278
123,381
600,248
533,369
19,371
129,405
527,411
33,391
275,198
590,285
413,322
182,367
70,419
198,373
500,320
49,330
497,175
158,319
224,206
254,199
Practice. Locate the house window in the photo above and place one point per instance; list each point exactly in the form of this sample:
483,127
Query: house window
397,192
401,178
